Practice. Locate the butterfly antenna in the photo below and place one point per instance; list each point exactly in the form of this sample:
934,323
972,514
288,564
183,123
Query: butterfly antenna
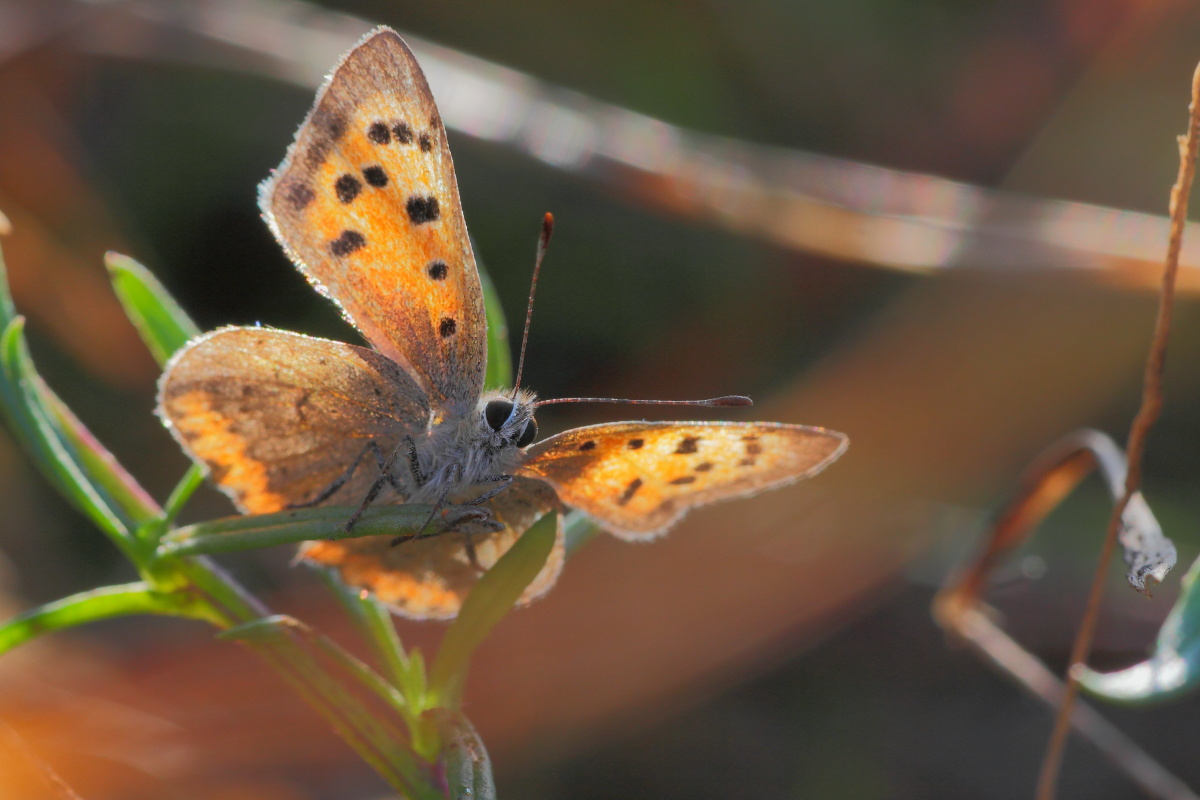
728,401
543,243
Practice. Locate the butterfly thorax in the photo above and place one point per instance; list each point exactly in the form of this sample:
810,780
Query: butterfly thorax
462,452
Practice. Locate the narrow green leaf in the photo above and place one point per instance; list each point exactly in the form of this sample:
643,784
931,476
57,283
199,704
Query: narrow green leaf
418,678
499,356
123,493
158,318
373,737
233,534
489,601
1174,665
39,416
165,328
91,606
373,621
268,629
33,425
468,766
192,480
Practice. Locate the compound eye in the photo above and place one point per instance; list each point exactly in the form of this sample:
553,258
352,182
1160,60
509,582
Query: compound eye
528,433
497,413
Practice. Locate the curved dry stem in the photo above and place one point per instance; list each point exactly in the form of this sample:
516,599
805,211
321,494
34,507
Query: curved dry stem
1139,430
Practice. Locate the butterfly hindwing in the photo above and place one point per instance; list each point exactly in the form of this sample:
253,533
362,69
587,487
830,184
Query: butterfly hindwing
638,478
428,578
367,205
278,417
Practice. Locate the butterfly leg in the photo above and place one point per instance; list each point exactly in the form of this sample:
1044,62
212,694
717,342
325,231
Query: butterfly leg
437,506
385,477
332,488
504,480
414,463
482,517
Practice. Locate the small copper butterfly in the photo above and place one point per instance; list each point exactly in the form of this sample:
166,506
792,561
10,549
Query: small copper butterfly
366,204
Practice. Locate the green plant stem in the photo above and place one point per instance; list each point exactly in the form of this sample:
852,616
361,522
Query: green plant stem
233,534
192,480
33,427
377,743
374,623
92,606
468,765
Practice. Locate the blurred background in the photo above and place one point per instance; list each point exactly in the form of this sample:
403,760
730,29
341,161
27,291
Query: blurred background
933,225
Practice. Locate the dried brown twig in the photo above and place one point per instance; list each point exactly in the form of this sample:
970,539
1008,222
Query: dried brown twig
1149,554
1138,431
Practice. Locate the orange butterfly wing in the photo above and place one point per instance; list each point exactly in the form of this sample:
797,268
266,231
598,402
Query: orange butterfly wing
429,578
277,417
366,204
638,478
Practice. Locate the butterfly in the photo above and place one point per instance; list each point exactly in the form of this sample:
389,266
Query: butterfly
366,204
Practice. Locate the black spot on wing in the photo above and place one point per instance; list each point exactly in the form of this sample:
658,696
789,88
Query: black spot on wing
318,151
705,467
422,209
447,327
425,142
328,126
629,492
331,123
403,133
347,243
299,195
437,270
683,481
588,445
379,133
636,444
375,176
687,445
347,188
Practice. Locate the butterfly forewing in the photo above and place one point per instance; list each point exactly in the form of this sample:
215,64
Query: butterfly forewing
637,478
428,578
278,417
367,205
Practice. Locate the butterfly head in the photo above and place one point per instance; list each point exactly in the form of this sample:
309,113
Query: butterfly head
507,420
